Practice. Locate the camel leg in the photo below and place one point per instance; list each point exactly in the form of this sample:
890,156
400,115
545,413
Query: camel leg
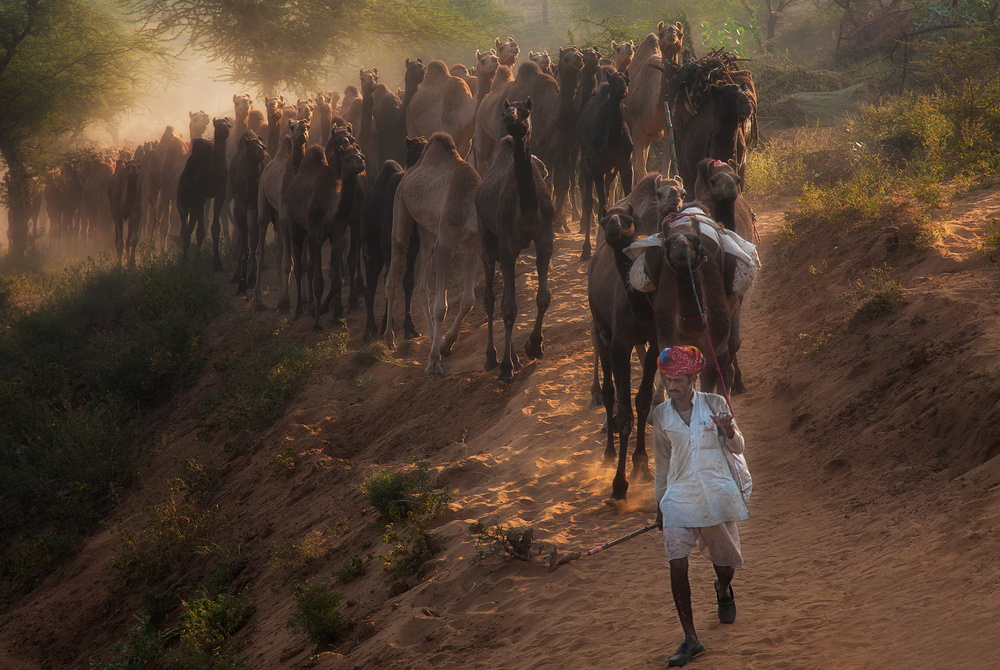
587,184
355,282
260,226
640,152
488,242
284,251
134,230
248,249
468,297
374,262
607,398
297,237
643,399
734,347
595,387
441,254
402,228
337,278
410,331
543,298
621,355
508,308
217,203
185,231
315,246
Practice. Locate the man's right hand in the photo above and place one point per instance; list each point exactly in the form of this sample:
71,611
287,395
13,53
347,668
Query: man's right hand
659,518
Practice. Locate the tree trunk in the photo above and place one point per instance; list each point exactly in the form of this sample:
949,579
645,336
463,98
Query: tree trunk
17,184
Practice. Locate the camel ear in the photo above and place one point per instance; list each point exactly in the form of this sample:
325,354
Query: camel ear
628,208
659,26
478,54
732,163
375,70
506,103
631,43
527,103
614,45
497,43
679,26
603,214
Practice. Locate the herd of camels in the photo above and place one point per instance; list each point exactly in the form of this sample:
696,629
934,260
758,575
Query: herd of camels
481,159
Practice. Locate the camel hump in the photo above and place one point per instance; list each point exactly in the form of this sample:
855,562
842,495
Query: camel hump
441,142
648,48
436,69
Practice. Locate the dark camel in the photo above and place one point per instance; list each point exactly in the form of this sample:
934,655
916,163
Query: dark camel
244,175
514,210
390,113
718,130
605,147
719,186
376,219
125,195
205,177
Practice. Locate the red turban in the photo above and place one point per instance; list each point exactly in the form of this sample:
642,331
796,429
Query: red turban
676,361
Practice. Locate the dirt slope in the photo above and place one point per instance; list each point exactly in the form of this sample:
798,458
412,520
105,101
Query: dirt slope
870,440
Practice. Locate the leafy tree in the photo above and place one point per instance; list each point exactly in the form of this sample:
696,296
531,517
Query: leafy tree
276,43
63,64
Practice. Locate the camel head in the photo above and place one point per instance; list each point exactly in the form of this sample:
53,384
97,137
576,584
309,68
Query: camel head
617,85
570,58
682,248
221,127
415,72
304,108
132,171
256,121
368,80
273,106
299,130
507,51
618,225
671,38
241,103
670,196
543,60
486,64
254,147
516,117
623,54
341,138
717,180
414,149
199,123
591,59
352,161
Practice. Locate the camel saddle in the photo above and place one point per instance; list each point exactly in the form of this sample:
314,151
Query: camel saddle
741,251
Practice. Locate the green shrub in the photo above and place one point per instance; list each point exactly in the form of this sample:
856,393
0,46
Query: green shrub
411,545
500,542
206,626
142,649
351,570
397,495
317,615
876,294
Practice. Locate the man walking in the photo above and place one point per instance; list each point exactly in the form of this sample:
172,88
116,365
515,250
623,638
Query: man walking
698,499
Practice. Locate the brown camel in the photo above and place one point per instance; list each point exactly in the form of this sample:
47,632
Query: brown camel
645,102
507,51
274,180
718,187
166,167
244,180
198,124
322,119
241,104
486,69
437,197
622,321
367,135
350,108
390,113
443,104
623,54
95,208
274,107
257,122
463,73
125,196
514,209
205,176
486,115
543,60
671,38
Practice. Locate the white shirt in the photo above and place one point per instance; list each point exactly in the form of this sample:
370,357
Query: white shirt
694,486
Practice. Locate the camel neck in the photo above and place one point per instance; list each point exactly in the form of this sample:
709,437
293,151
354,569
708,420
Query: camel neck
639,302
298,151
614,123
367,105
689,299
524,173
569,81
724,212
408,94
484,86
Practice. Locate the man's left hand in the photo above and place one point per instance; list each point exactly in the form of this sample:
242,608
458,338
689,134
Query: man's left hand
724,420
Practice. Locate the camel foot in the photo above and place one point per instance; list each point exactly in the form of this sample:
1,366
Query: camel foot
642,474
491,360
283,308
434,369
506,375
409,330
217,265
241,288
596,400
585,254
317,327
619,489
604,426
258,306
738,388
533,349
610,459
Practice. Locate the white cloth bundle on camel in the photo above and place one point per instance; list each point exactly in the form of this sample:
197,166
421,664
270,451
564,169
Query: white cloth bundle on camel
742,251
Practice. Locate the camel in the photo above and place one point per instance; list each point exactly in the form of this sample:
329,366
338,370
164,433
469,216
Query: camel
514,209
376,219
647,93
390,113
274,180
205,176
489,110
244,180
507,51
318,200
95,208
621,322
367,137
443,104
693,301
273,107
125,196
463,73
437,197
257,122
198,124
486,69
718,186
350,108
606,148
241,104
543,60
623,54
717,130
322,118
165,172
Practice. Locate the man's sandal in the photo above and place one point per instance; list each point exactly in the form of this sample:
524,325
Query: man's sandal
727,607
685,654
